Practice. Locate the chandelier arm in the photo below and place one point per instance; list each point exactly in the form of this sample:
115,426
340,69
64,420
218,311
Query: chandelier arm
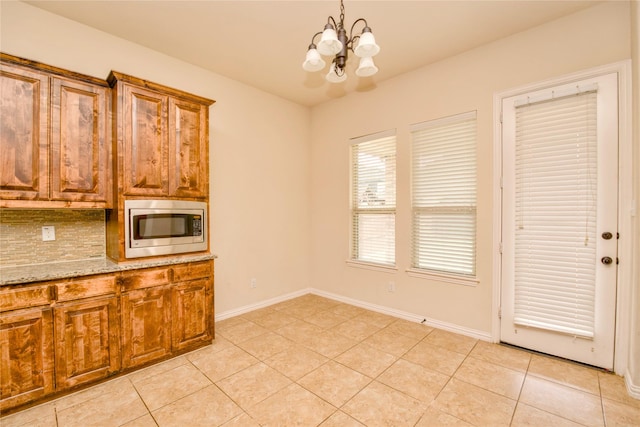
313,38
330,20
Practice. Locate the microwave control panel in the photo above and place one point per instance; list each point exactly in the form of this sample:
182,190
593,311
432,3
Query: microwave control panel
197,225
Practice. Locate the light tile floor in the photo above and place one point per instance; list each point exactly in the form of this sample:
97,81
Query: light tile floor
312,361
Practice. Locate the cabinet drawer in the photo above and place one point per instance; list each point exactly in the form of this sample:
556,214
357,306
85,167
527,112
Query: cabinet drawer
185,272
141,279
87,287
24,297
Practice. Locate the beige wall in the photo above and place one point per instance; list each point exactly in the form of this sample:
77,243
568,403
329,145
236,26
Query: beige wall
596,36
260,151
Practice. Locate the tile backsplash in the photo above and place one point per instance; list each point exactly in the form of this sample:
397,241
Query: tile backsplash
80,234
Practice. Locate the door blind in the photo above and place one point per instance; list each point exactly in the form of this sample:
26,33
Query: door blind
373,204
555,208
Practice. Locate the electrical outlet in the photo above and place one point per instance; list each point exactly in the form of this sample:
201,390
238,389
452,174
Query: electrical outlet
253,283
391,286
48,233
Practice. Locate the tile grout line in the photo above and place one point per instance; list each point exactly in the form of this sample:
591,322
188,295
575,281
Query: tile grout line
524,379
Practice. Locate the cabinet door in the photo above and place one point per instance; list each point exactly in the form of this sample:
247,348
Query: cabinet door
188,156
146,325
146,144
24,101
79,149
86,341
26,350
191,323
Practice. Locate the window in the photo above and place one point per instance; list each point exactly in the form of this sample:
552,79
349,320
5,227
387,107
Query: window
444,195
373,198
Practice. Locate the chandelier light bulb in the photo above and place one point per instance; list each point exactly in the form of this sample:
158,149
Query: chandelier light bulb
333,76
313,61
329,44
367,44
367,67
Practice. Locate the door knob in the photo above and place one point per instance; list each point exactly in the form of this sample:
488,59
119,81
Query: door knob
606,260
606,235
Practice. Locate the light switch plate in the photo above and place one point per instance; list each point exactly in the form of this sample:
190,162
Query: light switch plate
48,233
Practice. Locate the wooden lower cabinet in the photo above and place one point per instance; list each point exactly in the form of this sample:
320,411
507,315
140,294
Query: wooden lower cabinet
61,334
166,310
26,348
86,341
191,321
145,316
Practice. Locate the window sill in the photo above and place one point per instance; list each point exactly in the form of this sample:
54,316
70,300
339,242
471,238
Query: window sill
443,277
372,266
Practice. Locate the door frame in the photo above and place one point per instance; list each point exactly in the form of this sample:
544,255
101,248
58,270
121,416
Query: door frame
626,207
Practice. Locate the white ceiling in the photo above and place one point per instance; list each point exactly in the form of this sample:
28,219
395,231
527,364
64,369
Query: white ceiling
263,43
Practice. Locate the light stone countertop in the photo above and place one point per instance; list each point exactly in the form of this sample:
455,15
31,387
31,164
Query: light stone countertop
67,269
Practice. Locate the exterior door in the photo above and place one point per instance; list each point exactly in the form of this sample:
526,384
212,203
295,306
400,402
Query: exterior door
559,220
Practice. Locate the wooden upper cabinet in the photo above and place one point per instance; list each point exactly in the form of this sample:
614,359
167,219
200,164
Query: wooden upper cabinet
162,139
24,107
188,168
54,137
79,146
146,142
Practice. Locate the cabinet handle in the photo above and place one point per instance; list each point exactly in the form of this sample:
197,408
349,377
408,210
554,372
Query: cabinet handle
53,293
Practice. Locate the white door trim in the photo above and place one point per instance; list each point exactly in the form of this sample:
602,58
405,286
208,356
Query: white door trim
625,200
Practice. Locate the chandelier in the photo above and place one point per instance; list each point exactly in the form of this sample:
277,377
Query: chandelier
334,42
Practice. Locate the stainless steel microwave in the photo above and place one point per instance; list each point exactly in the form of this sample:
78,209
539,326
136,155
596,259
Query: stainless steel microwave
163,227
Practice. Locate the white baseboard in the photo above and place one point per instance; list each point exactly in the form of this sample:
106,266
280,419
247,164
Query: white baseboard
632,389
262,304
481,335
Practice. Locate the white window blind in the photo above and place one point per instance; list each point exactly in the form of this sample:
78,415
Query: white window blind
555,208
373,198
443,184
